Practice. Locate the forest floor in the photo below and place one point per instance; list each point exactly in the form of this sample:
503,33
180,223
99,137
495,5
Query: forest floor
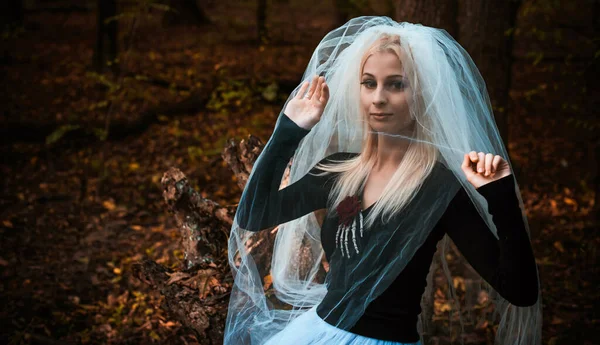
76,214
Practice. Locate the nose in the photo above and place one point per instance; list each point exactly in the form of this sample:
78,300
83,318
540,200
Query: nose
379,97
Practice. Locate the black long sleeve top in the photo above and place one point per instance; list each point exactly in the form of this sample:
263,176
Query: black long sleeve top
507,263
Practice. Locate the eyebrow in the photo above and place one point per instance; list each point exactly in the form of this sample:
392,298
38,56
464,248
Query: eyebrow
388,77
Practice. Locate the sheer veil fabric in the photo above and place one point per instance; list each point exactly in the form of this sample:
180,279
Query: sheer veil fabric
450,103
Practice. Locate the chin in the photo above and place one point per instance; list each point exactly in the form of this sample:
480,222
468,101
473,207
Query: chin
376,126
382,125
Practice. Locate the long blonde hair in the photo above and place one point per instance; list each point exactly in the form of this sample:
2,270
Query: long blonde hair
416,165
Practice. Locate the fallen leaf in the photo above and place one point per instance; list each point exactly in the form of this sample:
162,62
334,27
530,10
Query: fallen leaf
177,276
109,205
558,245
268,282
459,283
134,166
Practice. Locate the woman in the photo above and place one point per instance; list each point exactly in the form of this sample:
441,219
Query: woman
396,140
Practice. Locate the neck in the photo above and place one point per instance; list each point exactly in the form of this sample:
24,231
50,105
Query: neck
390,152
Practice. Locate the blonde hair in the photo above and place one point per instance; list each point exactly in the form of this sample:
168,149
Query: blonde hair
417,163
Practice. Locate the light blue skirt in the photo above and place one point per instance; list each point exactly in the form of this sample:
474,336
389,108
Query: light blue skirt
310,329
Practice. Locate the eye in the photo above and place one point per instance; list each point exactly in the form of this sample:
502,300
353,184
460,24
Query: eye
397,85
369,84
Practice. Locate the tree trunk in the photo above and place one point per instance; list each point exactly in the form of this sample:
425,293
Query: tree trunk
185,12
435,13
482,31
11,14
261,21
106,35
591,82
341,8
596,166
344,10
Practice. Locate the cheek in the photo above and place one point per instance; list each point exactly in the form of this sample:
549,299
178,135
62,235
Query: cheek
408,97
363,97
401,102
364,101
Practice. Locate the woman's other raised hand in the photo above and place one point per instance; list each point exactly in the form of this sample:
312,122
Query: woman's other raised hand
481,168
306,108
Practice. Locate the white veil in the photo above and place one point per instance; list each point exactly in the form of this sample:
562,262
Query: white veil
450,95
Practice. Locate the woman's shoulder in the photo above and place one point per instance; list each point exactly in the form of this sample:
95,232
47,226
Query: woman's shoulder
441,168
442,177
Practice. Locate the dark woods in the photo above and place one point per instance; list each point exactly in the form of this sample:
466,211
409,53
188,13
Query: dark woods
129,129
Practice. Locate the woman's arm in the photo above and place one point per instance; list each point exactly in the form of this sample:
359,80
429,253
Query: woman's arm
263,205
507,263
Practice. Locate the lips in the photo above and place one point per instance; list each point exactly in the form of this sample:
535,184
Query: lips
380,116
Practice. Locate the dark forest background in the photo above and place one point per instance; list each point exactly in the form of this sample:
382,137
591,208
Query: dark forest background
107,105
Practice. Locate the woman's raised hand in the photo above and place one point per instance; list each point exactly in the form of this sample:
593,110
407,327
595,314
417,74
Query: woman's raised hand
306,110
481,168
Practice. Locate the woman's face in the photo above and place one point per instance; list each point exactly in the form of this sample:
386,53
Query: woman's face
385,95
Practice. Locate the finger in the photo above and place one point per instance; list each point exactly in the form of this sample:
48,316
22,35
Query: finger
317,95
466,161
302,90
496,162
481,162
473,156
488,164
325,93
313,86
466,165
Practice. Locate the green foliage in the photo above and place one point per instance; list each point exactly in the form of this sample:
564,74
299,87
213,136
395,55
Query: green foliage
12,32
103,79
270,92
195,152
176,130
259,122
536,57
544,7
59,133
100,133
586,124
117,316
231,95
98,105
96,164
